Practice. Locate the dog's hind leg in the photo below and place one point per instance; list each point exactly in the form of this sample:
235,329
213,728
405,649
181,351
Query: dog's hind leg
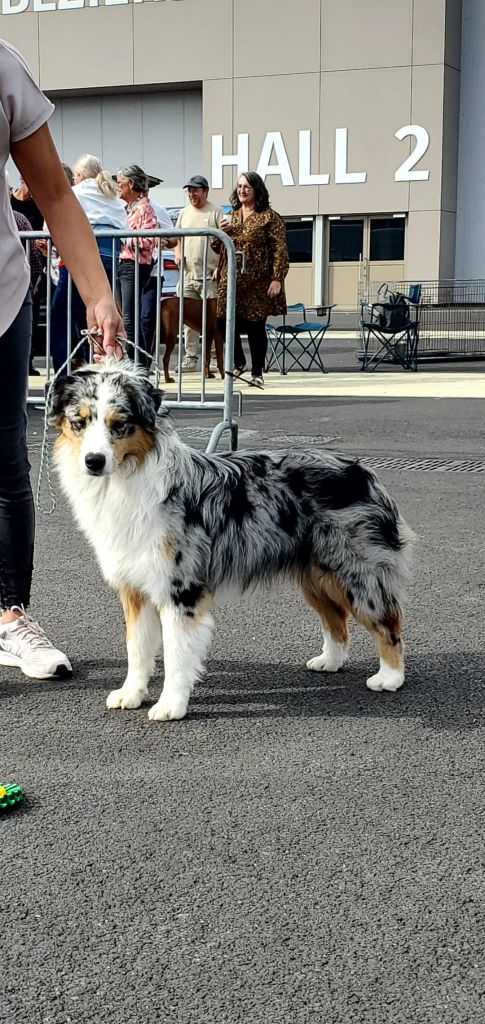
187,633
143,639
333,615
387,634
168,335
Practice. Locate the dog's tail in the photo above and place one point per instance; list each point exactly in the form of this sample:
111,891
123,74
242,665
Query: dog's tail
368,549
382,572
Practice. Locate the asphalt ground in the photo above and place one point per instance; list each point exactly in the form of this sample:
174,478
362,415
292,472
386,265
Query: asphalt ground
296,850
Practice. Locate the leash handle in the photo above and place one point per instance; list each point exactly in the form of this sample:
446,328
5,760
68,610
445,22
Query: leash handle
91,334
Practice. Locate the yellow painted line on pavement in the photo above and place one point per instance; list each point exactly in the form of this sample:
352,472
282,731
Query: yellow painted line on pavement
371,385
428,384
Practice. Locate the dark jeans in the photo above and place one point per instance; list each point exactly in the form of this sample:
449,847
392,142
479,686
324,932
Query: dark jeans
126,294
257,339
17,521
78,316
148,315
59,319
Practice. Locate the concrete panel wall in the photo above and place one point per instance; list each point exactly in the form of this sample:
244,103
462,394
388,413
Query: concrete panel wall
291,34
161,132
470,229
187,41
77,51
266,66
372,104
374,34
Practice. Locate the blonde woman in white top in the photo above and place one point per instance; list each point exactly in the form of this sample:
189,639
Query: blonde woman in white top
97,192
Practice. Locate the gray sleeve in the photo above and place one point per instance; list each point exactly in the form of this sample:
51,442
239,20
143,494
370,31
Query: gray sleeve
25,105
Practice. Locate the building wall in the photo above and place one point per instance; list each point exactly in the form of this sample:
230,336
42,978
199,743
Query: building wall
470,235
160,131
264,66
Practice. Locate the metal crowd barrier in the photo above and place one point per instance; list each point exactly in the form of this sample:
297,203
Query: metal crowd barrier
202,402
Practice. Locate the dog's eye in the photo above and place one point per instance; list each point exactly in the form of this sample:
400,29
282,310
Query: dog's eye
120,428
78,425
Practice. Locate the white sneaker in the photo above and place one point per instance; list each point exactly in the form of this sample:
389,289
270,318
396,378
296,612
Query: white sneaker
189,364
24,645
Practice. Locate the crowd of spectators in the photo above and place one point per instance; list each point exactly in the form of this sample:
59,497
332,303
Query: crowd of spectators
122,202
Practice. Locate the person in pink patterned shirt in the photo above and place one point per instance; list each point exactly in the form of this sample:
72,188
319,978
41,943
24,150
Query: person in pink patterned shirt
132,186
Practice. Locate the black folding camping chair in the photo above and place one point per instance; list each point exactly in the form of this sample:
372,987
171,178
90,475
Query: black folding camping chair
390,331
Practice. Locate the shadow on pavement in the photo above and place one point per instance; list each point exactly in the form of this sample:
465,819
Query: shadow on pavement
442,692
445,692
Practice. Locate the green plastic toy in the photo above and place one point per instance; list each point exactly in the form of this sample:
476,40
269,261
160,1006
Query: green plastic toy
11,796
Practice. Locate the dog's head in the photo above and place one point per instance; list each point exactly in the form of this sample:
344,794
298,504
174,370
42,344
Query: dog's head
107,414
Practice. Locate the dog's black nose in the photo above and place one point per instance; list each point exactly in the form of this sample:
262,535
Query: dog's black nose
95,462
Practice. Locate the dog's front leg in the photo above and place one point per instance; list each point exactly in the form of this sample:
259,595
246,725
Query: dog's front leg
187,634
143,638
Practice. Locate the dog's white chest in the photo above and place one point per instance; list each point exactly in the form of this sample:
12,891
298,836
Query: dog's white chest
129,538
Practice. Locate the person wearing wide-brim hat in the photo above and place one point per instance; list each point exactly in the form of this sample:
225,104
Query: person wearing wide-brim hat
135,254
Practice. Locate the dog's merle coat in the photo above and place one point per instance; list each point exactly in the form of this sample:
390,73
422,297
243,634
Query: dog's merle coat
174,529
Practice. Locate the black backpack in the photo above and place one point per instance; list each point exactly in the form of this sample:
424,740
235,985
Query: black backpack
392,311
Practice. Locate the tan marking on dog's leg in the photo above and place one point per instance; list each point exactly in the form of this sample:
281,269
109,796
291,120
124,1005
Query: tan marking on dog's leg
333,615
387,635
143,637
132,602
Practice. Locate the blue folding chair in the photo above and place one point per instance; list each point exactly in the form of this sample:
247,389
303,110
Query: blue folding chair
306,336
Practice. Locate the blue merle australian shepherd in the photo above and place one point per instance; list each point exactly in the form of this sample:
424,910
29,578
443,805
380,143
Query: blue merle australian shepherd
174,528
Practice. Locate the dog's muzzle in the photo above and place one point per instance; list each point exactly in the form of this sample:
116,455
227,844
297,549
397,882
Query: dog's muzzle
95,463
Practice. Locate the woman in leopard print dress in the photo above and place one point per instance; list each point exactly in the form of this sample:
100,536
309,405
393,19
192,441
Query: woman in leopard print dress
259,233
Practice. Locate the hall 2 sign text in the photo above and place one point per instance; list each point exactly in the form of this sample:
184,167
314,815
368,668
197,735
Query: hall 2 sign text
274,158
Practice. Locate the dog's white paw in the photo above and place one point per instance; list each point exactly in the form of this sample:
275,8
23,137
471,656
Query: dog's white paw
124,699
386,679
168,708
332,657
324,663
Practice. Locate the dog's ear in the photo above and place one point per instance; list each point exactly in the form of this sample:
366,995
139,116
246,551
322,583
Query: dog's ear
157,397
146,400
153,399
60,393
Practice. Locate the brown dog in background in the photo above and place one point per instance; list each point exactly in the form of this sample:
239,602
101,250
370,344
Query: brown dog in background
169,316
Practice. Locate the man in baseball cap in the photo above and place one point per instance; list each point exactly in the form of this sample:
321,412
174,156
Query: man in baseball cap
198,181
200,213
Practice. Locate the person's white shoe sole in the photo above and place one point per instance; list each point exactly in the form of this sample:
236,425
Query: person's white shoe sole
62,670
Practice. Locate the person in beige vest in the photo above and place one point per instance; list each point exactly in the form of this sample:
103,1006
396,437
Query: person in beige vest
200,213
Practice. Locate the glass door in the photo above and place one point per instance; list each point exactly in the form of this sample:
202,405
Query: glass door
346,247
379,240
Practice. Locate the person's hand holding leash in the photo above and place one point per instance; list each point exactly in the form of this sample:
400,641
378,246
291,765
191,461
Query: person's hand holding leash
103,317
